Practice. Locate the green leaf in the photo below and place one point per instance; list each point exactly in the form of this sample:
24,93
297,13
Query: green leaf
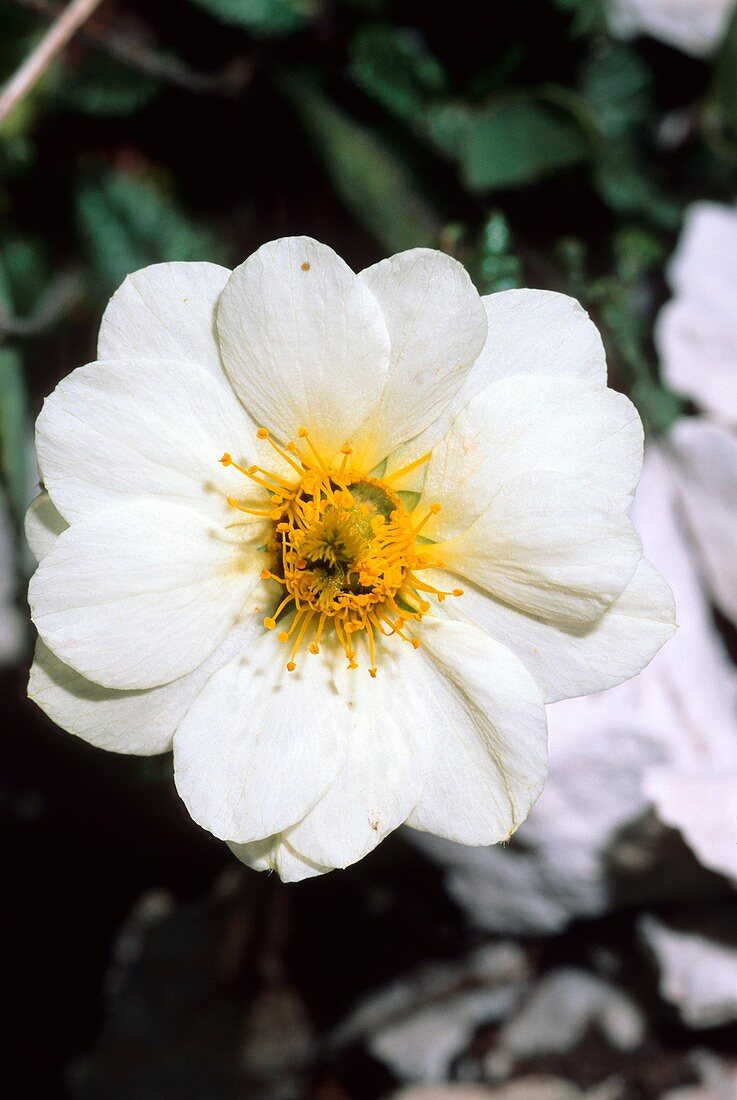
518,141
128,221
637,251
624,183
24,273
265,18
104,87
724,86
445,126
373,183
498,267
13,426
588,16
392,65
616,84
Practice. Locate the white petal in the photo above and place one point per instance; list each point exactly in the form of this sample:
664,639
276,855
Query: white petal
142,429
694,26
461,753
165,311
529,332
696,332
706,475
703,806
43,525
540,332
549,546
704,265
698,351
137,595
697,975
380,780
567,660
437,326
480,735
531,423
691,686
304,341
139,722
275,854
261,745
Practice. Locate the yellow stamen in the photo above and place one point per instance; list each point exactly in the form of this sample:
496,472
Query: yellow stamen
251,511
304,434
262,433
396,474
344,551
432,511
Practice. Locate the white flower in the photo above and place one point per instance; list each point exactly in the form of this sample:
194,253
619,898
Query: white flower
694,26
697,330
697,341
382,435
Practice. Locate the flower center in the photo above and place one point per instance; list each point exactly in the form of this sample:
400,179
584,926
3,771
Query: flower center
344,550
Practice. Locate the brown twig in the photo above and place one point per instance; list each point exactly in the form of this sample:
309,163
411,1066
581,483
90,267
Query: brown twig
53,42
132,51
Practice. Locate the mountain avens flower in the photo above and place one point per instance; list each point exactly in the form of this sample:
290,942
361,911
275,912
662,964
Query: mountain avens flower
336,539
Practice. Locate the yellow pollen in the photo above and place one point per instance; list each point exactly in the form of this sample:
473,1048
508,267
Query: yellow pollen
343,549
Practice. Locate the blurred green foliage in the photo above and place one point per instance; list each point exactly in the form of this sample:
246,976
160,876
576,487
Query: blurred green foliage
368,176
535,147
724,89
262,17
127,221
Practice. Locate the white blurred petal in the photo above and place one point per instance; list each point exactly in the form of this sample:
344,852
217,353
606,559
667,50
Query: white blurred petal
697,975
696,331
694,26
705,470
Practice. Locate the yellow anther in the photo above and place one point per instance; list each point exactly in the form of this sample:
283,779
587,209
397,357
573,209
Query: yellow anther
342,548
